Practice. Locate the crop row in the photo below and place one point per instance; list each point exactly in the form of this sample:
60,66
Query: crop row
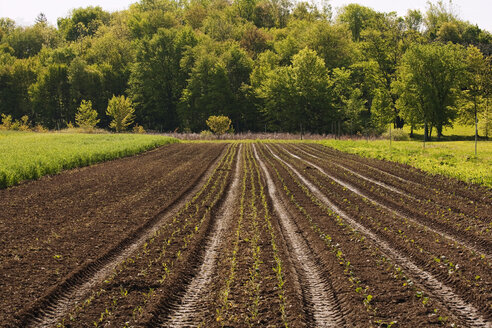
344,242
125,294
420,208
457,199
468,279
245,298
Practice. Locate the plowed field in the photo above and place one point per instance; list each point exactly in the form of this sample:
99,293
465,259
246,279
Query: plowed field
238,235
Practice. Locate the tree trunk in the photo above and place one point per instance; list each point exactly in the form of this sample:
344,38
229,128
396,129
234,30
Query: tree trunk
399,122
411,131
476,129
426,131
390,137
487,118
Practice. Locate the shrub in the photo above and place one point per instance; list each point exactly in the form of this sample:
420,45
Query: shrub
138,129
206,134
39,128
219,124
86,116
121,110
23,124
397,135
18,125
6,122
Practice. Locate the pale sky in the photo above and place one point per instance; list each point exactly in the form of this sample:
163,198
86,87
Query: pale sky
25,11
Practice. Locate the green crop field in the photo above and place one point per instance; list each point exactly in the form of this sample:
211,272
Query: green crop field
451,158
28,155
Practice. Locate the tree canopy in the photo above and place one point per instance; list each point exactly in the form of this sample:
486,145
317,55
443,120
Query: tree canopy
267,65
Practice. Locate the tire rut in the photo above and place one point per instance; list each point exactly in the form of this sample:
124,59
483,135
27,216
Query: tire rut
184,313
49,310
322,301
465,311
457,239
456,193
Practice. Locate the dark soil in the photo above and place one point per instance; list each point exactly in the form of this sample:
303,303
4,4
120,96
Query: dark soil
57,225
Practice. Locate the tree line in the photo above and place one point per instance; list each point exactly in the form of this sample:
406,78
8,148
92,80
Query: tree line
268,65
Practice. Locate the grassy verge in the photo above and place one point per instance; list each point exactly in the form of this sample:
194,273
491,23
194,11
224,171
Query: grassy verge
454,158
455,133
28,155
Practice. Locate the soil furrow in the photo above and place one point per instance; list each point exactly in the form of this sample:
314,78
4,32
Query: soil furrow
191,304
51,309
323,305
458,195
379,183
467,312
480,249
442,197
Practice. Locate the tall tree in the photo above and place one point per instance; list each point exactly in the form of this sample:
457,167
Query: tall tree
208,92
479,72
157,79
429,82
296,97
83,22
50,96
357,18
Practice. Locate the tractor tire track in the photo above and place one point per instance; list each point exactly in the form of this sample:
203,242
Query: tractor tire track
50,309
454,191
465,311
475,247
321,300
184,314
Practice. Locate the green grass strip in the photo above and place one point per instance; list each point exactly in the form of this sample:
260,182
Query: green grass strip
28,155
454,159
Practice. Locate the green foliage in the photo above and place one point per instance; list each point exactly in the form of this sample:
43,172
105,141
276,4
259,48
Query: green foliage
86,117
206,134
355,106
138,129
357,18
50,96
157,80
429,84
6,122
397,135
209,90
251,60
219,124
479,81
82,22
28,155
382,109
16,125
295,97
121,110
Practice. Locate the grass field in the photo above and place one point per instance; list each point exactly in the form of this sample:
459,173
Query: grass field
451,158
455,133
27,155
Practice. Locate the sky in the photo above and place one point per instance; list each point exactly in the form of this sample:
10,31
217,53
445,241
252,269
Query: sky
25,11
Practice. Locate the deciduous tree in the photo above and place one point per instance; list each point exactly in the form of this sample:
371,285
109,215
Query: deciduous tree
121,110
430,78
86,116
